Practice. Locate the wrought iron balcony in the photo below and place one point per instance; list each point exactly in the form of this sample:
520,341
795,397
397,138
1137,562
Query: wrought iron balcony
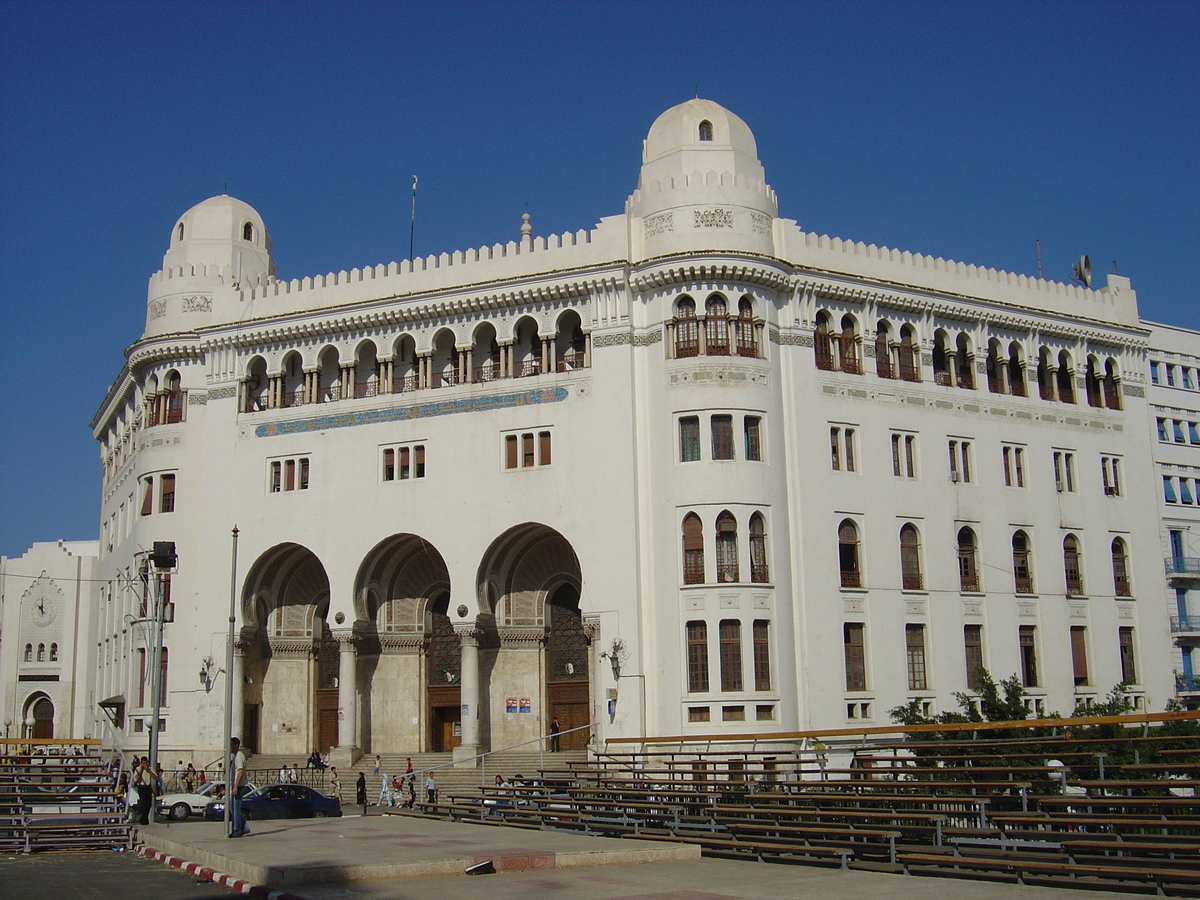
1185,624
1182,565
1186,683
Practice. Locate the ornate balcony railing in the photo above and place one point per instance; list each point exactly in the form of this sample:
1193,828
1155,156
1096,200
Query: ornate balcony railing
1185,624
968,583
571,360
490,372
1182,565
758,573
529,367
404,383
693,573
912,581
366,389
292,398
1185,683
851,579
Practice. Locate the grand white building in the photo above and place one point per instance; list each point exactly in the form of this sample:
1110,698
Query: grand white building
770,479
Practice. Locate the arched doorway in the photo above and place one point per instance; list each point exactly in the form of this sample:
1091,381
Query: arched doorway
568,651
291,659
42,711
443,692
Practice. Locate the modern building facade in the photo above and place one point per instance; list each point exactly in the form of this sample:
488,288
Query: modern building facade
694,471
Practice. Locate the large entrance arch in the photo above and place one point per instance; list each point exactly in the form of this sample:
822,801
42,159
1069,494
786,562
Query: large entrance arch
291,663
39,710
409,661
536,646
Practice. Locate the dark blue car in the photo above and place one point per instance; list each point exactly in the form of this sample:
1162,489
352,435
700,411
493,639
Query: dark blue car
281,801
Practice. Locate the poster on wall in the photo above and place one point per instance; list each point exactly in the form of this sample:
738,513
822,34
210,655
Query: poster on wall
510,705
526,706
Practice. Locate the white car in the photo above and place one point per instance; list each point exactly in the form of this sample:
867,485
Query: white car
180,806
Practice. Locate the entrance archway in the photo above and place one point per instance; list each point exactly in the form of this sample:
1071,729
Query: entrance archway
443,655
568,678
291,660
42,712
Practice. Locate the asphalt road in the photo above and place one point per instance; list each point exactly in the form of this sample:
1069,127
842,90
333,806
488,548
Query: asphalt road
99,874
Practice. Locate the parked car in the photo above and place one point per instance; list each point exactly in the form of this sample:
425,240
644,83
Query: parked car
281,801
180,806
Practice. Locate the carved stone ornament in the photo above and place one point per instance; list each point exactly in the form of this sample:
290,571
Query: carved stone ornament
713,218
660,224
157,309
521,637
197,303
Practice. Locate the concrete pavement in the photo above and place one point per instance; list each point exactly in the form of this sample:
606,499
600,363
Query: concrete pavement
390,857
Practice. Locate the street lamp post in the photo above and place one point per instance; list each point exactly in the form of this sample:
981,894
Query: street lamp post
161,557
229,681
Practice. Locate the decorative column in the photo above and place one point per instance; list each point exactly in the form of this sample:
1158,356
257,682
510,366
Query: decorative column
506,360
469,698
347,751
545,353
587,349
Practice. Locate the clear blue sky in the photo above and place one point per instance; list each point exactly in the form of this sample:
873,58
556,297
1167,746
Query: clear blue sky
965,130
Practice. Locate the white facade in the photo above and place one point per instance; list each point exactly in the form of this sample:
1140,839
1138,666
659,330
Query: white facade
1174,398
695,439
47,597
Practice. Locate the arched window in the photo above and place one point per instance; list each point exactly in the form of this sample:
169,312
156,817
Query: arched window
1066,377
1092,383
687,335
248,231
54,653
910,559
1120,567
706,131
1045,375
848,346
29,653
822,343
941,360
693,550
727,554
848,555
758,550
41,656
1071,567
883,352
716,326
1022,570
1112,385
746,343
179,232
908,355
964,361
1016,370
995,373
968,568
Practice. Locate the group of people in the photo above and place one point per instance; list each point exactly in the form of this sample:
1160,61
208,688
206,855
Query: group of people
289,775
392,791
317,761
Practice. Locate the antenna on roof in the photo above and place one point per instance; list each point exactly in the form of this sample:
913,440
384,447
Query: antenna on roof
224,187
412,222
1039,257
697,92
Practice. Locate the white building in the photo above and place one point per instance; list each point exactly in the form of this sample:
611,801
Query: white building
1174,398
47,597
774,480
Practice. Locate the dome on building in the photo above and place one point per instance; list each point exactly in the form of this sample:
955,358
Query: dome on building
684,126
225,232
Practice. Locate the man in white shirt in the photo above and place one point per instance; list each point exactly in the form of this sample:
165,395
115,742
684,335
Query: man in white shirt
385,790
237,769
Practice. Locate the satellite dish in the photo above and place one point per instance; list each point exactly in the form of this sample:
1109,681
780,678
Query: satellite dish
1082,271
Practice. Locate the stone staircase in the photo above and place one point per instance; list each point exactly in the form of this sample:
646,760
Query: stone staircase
264,769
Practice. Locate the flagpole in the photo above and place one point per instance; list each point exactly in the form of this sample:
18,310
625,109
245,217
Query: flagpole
412,222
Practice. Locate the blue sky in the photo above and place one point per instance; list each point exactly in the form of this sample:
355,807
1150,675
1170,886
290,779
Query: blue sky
964,130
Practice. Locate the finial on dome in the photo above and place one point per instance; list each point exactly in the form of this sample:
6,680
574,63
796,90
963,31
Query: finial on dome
526,228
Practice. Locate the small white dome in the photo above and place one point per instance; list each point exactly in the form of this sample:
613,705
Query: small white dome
215,232
682,127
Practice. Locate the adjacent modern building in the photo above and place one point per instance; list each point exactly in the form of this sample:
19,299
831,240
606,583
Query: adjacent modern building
695,471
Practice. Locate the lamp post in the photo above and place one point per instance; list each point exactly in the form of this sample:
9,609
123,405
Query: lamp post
229,680
7,725
162,557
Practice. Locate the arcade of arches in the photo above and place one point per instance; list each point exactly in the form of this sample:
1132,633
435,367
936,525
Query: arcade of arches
410,671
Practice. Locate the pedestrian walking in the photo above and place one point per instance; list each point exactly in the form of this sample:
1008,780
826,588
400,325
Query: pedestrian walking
360,791
555,728
385,791
430,788
143,783
236,786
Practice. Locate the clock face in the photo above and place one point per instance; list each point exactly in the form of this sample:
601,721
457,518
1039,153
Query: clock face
43,610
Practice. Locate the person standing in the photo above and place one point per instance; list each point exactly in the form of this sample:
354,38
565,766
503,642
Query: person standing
335,784
237,767
408,771
555,728
430,788
360,790
283,774
385,790
189,778
143,783
179,770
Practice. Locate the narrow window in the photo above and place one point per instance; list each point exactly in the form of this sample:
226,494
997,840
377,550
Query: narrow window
762,655
276,477
1029,673
727,555
1110,470
1162,429
1154,376
693,550
1193,436
1120,567
848,555
968,570
41,657
1169,490
856,660
1022,572
716,327
1070,469
54,653
697,656
148,497
689,439
289,475
510,451
914,643
955,476
1079,665
167,500
389,464
29,653
1071,566
973,645
758,550
543,448
419,461
706,130
687,330
1019,465
964,450
835,448
303,481
1006,456
527,457
722,437
896,455
1128,672
849,444
910,559
179,232
909,445
753,447
1177,428
731,654
248,232
1185,490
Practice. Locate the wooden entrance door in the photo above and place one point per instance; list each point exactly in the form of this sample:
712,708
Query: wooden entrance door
325,693
568,701
327,719
446,728
567,683
43,720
